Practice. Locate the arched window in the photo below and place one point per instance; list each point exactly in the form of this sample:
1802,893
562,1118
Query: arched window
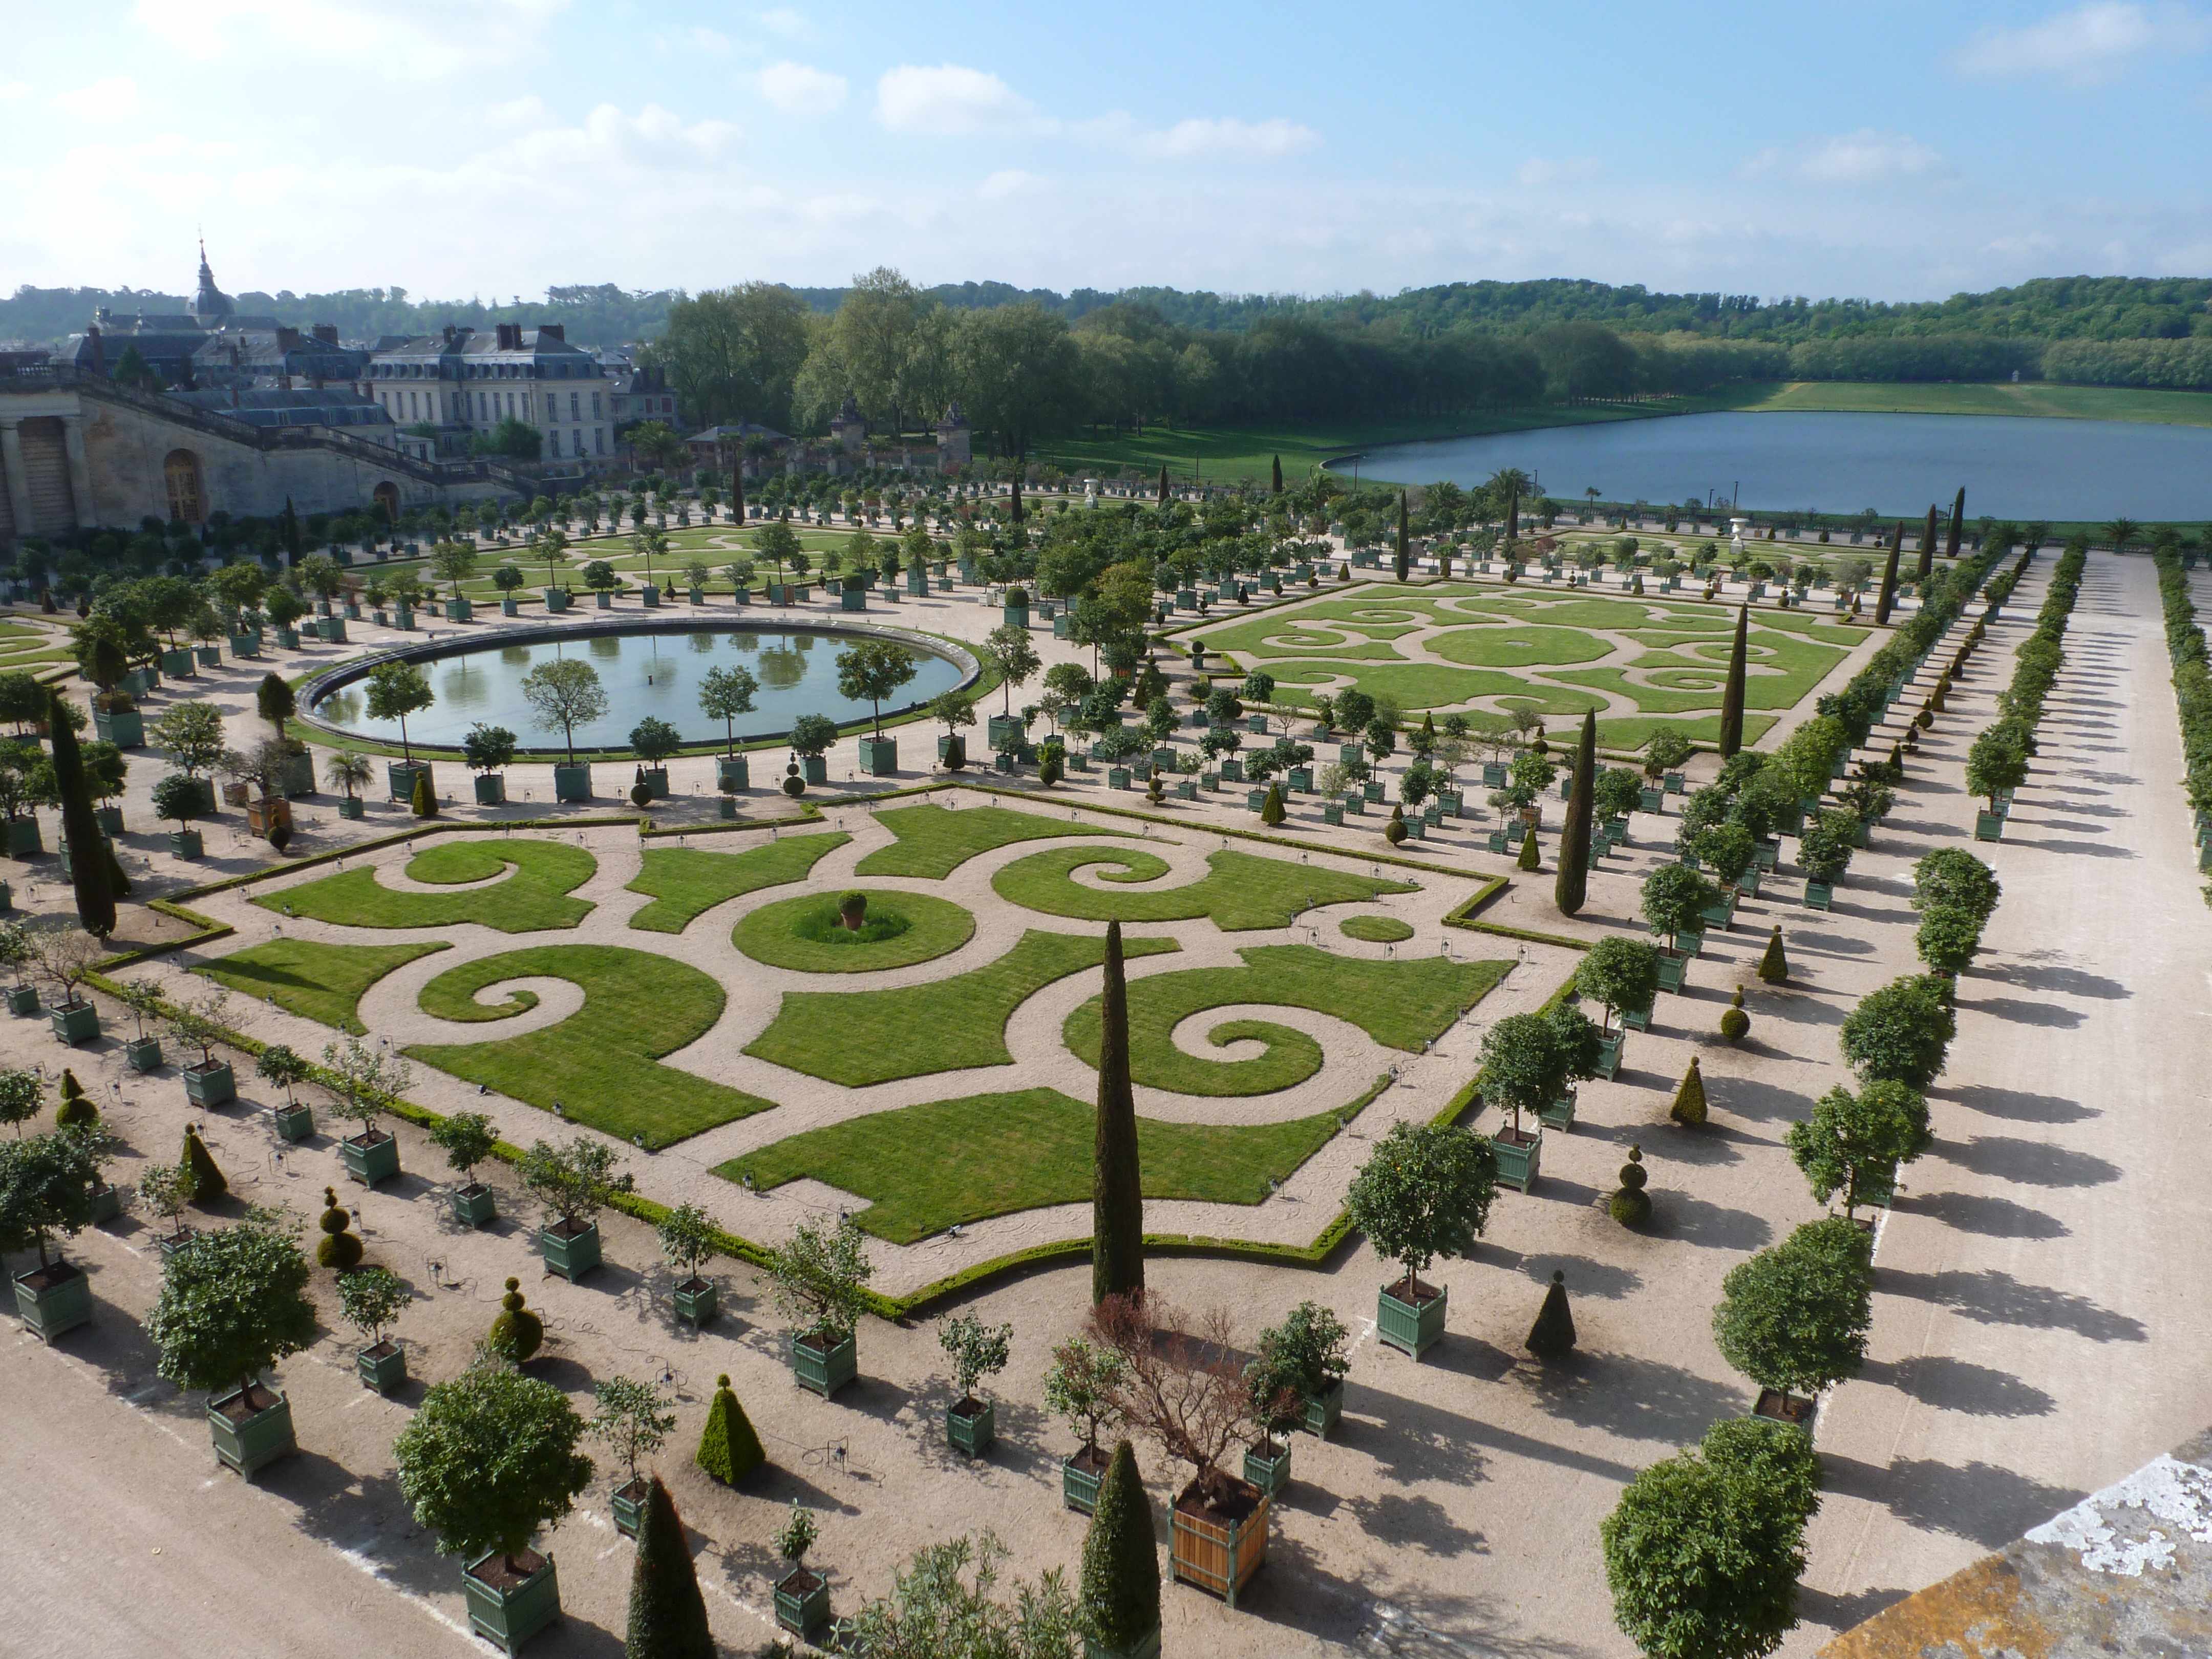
387,496
180,474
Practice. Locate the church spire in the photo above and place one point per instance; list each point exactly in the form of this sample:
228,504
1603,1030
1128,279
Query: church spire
210,304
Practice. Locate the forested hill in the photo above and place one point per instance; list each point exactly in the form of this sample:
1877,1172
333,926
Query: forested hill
2047,309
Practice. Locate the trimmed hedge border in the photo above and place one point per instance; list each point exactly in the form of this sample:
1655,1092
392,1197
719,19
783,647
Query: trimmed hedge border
2192,683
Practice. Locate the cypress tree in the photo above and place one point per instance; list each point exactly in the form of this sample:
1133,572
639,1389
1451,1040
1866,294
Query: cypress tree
738,492
1405,554
89,858
728,1449
1774,966
667,1614
1732,696
208,1181
1015,514
1888,596
1117,1203
1689,1105
1279,475
1163,483
1512,516
1958,523
1271,810
1553,1335
1571,885
1120,1591
1927,547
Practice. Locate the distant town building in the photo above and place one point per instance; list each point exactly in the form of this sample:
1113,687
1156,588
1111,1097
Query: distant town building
719,446
462,383
848,428
953,441
638,394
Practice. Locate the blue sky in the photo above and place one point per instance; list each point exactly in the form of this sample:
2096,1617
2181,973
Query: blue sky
458,147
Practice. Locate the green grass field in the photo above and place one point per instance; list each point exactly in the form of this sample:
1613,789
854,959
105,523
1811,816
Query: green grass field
2029,399
862,1038
322,982
1375,930
1238,893
934,841
599,1063
685,883
805,933
925,1168
1401,1004
533,897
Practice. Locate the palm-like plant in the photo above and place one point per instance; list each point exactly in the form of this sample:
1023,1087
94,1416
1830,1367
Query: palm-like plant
349,771
2124,532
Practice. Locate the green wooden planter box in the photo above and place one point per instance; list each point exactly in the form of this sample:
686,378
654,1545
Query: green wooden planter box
1371,793
1609,1047
1232,771
1079,1486
456,610
509,1618
23,837
509,607
814,769
1676,783
51,1301
247,647
697,1301
1495,841
294,1122
144,1053
825,1370
1411,1327
107,1203
802,1602
250,1445
556,600
1331,812
1989,826
1301,779
1674,971
474,1205
628,1501
75,1023
1560,1114
1518,1162
570,1254
179,665
382,1368
1269,1474
1493,775
1691,941
490,789
1636,1019
22,998
377,1161
211,1085
880,757
656,781
1324,1410
1719,915
1746,884
353,807
1117,777
606,601
572,783
399,779
125,728
1819,894
731,774
972,1434
649,596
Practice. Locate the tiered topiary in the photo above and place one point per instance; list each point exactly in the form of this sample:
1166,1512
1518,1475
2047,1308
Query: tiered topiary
76,1110
338,1248
208,1182
1774,966
1553,1335
1734,1023
728,1449
1394,831
1689,1105
517,1333
1632,1206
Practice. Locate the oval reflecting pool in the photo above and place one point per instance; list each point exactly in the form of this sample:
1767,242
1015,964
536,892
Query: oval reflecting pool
644,673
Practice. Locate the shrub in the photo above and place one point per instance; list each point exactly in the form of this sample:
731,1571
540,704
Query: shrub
1395,830
232,1304
1553,1335
1774,965
423,803
1530,858
1849,1137
208,1180
1703,1561
339,1248
1736,1024
1630,1206
1901,1033
1689,1107
1794,1317
667,1614
1953,878
372,1301
516,1332
1948,938
478,1503
729,1449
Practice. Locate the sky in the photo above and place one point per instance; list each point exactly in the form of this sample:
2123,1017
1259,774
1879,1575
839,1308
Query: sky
464,148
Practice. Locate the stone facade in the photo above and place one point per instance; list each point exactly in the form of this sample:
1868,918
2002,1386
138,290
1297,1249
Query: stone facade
466,381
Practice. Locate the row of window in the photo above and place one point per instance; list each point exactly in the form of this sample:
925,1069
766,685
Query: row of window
412,406
557,368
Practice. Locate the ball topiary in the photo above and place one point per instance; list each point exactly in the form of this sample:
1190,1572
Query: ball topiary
1689,1105
641,795
516,1332
338,1248
1156,792
1734,1023
1630,1206
1774,966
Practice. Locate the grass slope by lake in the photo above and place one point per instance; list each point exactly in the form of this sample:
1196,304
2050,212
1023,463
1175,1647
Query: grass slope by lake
686,882
600,1062
2029,398
533,897
322,982
925,1168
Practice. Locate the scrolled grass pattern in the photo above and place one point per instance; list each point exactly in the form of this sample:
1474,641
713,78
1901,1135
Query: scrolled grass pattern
925,1168
930,841
599,1063
322,982
684,882
534,898
1238,893
857,1039
807,935
1401,1005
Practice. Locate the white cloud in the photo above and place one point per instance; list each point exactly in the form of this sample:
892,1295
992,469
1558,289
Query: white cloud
2092,43
783,20
528,111
1007,181
12,90
115,95
607,140
1867,157
710,40
396,39
950,99
1224,139
1538,171
794,87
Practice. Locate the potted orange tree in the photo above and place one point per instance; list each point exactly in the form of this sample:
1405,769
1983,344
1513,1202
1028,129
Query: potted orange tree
209,1082
1079,1387
819,1282
1424,1194
687,1239
287,1068
372,1299
366,1083
573,1183
467,1138
47,1184
632,1419
976,1351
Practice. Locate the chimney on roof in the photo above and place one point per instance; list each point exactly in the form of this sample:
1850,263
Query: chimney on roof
287,339
553,331
449,334
327,333
99,350
510,337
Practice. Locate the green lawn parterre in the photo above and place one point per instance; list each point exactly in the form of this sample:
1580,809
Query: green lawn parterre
685,883
932,841
925,1168
533,897
1401,1004
1238,893
1375,930
804,934
322,982
599,1063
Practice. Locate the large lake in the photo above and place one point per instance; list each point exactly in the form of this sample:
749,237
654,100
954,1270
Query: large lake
2013,467
645,674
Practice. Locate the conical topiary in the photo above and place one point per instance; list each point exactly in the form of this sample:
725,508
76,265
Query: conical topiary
728,1449
423,803
517,1332
1120,1589
1530,859
1774,966
76,1109
339,1248
208,1180
1734,1023
1689,1105
1271,810
667,1615
1553,1335
1632,1206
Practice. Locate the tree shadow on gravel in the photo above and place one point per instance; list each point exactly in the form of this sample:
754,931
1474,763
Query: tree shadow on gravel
1410,1522
2032,971
1625,1394
1992,1297
1979,1502
1714,1226
2028,1163
1833,945
1960,1385
1841,1613
2052,1016
1763,1102
2020,1106
1585,1275
1975,1212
